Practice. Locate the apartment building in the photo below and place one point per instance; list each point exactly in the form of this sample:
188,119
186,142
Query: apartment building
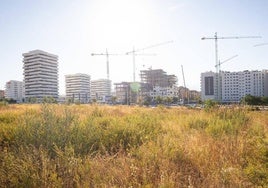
234,85
15,90
40,70
164,92
101,90
77,87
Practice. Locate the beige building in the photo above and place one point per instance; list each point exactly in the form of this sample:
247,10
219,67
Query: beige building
15,90
77,87
101,90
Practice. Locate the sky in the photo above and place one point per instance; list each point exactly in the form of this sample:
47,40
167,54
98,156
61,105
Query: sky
74,29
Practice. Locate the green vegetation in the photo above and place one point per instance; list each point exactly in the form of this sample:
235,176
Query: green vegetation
52,145
254,100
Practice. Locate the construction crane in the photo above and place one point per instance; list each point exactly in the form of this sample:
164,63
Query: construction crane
134,53
221,62
215,38
184,83
110,54
107,60
261,44
216,43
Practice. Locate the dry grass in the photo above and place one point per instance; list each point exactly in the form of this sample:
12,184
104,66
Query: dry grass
120,146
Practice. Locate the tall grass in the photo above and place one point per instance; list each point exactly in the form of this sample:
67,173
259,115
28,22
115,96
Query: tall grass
52,145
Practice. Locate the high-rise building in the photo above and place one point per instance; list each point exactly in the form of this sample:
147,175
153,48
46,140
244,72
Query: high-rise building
40,75
234,85
77,87
15,90
100,90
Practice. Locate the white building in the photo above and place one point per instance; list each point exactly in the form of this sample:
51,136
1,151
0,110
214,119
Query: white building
164,92
234,85
40,75
15,90
77,87
101,90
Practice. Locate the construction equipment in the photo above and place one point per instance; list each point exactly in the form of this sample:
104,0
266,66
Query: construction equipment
186,92
215,38
110,54
133,52
216,43
107,60
221,62
261,44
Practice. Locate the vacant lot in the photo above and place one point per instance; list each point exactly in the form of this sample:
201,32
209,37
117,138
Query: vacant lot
120,146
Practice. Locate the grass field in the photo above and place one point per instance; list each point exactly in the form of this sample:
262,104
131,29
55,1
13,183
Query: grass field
120,146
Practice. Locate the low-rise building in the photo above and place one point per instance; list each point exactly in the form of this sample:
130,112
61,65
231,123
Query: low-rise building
15,90
77,87
101,90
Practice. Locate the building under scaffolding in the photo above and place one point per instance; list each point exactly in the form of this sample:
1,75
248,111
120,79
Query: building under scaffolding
130,92
157,77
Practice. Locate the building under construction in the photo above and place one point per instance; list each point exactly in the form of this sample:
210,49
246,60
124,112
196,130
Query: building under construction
130,92
157,77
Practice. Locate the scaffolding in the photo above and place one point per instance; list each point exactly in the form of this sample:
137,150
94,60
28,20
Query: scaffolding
157,77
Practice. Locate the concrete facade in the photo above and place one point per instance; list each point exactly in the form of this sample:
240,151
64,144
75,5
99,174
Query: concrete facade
164,92
101,90
77,87
15,90
40,70
208,86
234,85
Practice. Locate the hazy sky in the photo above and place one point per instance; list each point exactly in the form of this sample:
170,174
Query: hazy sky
73,29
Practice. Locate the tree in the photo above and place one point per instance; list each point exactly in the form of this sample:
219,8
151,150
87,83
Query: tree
209,104
175,100
159,100
251,100
168,100
147,100
114,98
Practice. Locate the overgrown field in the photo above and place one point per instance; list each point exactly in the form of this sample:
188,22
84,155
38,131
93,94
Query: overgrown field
119,146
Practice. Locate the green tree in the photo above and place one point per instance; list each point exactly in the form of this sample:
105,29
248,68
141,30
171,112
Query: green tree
114,98
159,100
251,100
209,104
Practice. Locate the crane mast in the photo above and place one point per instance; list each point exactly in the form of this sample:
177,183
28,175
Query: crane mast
186,92
107,60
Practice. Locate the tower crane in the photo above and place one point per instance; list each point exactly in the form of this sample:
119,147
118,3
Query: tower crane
111,54
184,83
134,53
261,44
216,38
107,60
221,62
